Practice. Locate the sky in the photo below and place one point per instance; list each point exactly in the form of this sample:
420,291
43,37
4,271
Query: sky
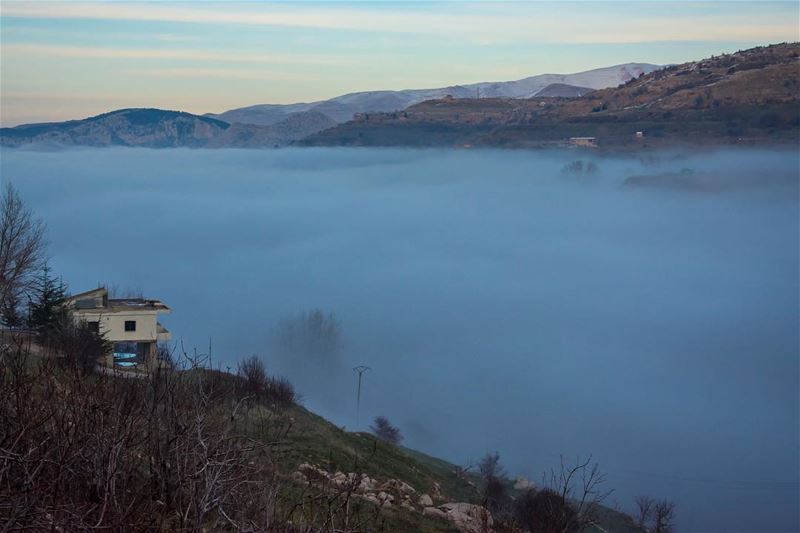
67,60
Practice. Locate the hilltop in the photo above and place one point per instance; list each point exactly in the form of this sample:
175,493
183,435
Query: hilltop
158,128
748,96
342,108
274,125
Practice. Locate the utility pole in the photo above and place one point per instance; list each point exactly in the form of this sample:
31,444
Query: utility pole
360,370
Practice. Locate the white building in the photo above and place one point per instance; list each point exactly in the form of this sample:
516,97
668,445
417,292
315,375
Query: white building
130,324
586,142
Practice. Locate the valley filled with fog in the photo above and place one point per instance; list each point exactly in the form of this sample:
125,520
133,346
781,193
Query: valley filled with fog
529,302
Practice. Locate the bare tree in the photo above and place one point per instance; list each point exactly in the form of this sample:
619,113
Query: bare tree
21,251
580,488
314,334
644,510
384,430
663,516
490,468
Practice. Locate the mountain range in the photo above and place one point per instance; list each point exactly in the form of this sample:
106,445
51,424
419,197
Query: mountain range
748,96
343,108
271,125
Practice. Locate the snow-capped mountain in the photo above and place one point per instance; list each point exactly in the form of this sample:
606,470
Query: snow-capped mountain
342,108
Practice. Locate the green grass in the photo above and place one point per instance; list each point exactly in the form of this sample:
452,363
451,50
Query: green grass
312,439
315,440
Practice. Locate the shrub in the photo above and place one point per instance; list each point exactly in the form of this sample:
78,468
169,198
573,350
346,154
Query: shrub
495,495
257,385
280,392
490,468
545,511
384,430
254,377
81,347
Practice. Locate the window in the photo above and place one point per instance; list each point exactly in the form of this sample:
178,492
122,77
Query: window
93,326
130,325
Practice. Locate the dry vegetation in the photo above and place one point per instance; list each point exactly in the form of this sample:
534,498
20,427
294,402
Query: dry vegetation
188,448
749,96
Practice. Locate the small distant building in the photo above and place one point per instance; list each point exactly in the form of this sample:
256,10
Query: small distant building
640,135
130,324
589,142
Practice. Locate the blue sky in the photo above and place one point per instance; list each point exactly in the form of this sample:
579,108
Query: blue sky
65,60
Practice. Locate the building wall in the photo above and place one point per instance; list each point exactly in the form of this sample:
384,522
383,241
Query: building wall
112,325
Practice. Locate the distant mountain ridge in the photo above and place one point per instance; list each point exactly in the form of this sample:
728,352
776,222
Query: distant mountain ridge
343,108
751,96
158,128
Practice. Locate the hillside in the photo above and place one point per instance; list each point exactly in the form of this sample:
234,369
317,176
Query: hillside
157,128
749,96
343,108
205,449
316,441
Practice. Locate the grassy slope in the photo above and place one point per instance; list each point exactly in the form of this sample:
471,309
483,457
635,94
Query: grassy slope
315,440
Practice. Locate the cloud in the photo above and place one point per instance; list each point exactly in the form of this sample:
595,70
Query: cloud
225,73
48,50
481,24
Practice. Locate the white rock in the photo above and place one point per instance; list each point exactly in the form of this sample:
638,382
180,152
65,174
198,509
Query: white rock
425,500
434,512
468,518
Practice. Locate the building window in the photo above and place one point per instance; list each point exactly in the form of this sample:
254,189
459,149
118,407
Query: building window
130,325
94,326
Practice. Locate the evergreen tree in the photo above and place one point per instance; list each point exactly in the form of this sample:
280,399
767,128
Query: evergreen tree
47,309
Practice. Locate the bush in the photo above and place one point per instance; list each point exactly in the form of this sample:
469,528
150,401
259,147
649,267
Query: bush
254,378
257,385
545,511
384,430
490,468
495,495
81,347
280,392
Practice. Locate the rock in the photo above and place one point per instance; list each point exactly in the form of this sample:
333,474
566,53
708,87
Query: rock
312,472
406,504
400,487
468,518
425,500
434,512
366,484
385,499
370,497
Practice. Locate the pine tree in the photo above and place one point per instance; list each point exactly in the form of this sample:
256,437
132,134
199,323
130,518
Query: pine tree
47,309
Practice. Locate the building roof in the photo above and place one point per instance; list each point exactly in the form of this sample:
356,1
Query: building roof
97,301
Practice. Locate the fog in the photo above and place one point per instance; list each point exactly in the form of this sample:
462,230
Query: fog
501,303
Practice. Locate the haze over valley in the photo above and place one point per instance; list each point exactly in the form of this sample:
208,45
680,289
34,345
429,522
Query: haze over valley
400,267
504,300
